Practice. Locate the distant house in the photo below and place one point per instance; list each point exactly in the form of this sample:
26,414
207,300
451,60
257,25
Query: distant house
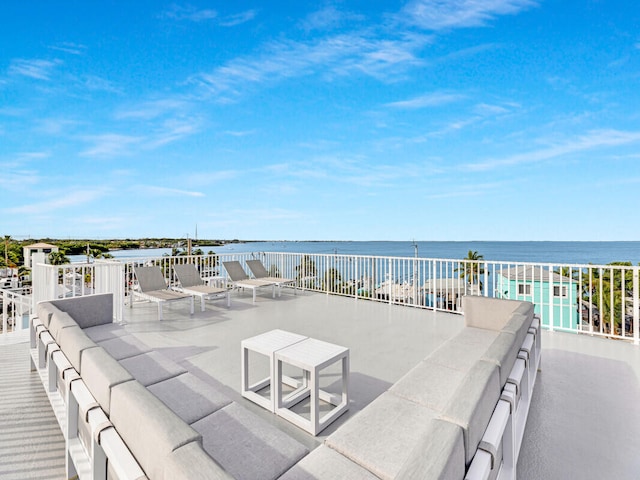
556,296
29,250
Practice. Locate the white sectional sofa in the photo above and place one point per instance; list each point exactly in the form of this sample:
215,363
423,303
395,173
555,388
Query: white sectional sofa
460,413
128,412
132,413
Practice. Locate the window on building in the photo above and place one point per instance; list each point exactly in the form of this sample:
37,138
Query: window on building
524,289
558,292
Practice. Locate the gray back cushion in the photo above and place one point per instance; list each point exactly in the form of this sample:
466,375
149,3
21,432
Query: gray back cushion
88,310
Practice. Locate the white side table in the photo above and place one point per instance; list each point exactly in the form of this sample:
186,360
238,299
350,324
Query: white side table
311,356
266,344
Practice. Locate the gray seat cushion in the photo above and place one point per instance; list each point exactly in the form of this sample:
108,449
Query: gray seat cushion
429,384
150,430
191,462
189,397
73,342
461,351
324,463
381,437
440,454
152,367
473,404
100,333
124,347
246,446
101,373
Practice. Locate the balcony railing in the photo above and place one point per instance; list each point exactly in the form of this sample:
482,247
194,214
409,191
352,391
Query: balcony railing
602,300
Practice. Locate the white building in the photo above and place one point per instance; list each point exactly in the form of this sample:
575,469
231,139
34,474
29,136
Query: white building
29,250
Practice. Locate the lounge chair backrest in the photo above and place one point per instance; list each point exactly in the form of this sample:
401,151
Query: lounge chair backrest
257,268
235,271
150,279
188,275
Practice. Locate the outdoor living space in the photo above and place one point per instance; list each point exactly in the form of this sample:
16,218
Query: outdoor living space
385,342
583,422
586,394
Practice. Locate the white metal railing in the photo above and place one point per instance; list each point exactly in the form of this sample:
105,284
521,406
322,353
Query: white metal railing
602,300
51,282
16,309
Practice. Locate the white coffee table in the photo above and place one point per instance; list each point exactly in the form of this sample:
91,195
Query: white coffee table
266,344
312,356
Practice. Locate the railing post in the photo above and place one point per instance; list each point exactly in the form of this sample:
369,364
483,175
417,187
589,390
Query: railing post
636,308
549,296
5,309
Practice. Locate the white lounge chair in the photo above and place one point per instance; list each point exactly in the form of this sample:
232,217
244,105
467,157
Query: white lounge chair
190,282
153,288
259,272
240,279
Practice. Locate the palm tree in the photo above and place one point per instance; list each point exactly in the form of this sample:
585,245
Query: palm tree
332,279
306,272
606,286
472,268
6,250
58,258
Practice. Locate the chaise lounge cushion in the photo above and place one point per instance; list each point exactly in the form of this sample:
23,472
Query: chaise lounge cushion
246,446
101,373
189,397
324,463
381,436
473,404
148,427
191,462
89,310
437,455
73,342
152,367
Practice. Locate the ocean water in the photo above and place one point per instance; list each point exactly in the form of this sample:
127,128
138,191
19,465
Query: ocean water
563,253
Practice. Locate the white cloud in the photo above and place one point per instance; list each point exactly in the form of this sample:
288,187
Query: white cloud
238,18
447,14
191,13
38,69
358,52
165,191
239,133
78,198
110,144
435,99
328,18
69,47
152,109
592,140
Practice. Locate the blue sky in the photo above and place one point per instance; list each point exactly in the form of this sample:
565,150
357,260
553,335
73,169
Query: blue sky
346,120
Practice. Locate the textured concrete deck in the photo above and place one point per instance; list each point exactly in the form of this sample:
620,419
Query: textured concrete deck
584,420
31,443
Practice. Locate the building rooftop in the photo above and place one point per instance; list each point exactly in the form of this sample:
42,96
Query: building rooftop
583,423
